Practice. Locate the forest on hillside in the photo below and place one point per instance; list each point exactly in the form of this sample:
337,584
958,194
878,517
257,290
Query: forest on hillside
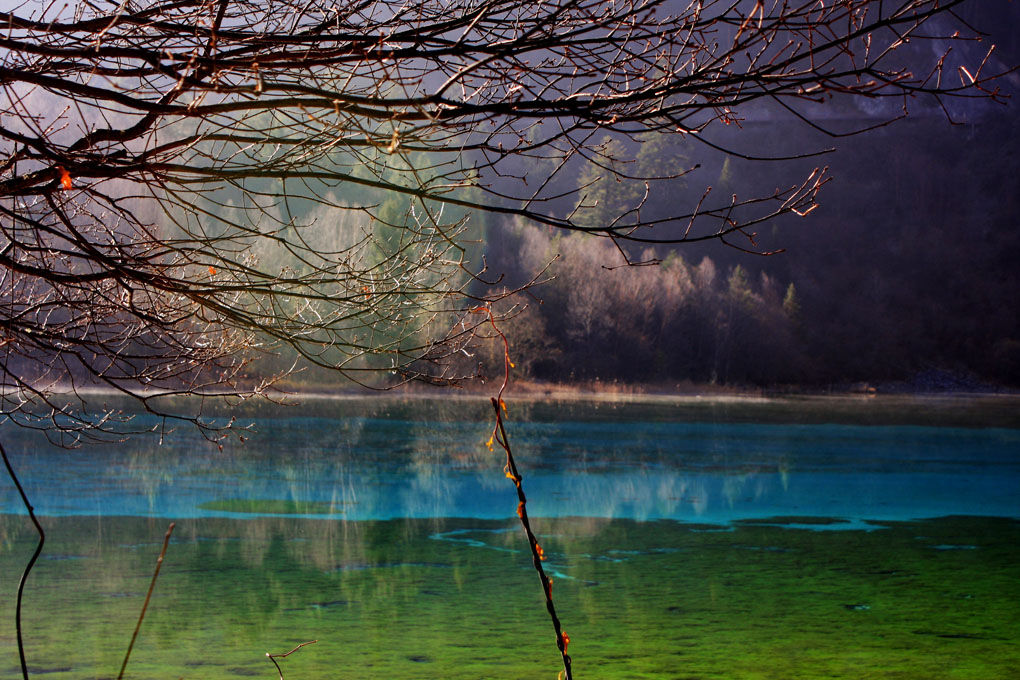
907,271
906,276
369,268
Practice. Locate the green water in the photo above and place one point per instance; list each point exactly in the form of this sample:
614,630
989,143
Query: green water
457,599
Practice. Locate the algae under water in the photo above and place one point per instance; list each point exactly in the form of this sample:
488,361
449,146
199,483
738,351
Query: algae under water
680,549
449,598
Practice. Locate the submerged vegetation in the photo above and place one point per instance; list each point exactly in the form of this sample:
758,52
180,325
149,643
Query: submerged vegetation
934,599
273,507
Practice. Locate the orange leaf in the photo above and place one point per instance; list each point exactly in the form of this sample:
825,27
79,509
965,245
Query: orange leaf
65,179
212,271
566,641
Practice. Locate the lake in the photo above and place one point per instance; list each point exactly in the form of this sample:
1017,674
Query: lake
783,538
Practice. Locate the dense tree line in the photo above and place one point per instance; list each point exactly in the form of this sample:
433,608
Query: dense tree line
678,320
907,268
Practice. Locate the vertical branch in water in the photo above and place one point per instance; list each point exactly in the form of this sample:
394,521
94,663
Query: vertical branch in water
31,562
510,469
537,554
148,596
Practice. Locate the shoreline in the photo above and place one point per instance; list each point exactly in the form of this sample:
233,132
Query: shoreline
574,402
532,391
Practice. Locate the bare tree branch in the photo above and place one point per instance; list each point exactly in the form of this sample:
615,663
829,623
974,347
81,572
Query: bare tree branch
186,185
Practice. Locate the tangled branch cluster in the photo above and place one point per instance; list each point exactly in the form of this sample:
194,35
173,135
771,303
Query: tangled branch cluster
184,183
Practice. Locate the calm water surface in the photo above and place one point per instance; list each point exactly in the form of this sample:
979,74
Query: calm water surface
687,540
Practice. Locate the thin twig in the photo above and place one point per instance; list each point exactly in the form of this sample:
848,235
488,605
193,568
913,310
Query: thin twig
274,657
537,554
31,562
148,595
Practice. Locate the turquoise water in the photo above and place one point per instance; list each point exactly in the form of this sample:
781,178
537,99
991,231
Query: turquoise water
686,540
427,459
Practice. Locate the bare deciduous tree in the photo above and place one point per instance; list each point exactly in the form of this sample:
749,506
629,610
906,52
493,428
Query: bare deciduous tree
170,168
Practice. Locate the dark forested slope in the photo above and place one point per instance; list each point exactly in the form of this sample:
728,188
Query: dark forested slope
910,265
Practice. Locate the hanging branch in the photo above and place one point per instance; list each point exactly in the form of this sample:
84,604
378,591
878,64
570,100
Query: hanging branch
31,562
512,473
148,596
190,187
